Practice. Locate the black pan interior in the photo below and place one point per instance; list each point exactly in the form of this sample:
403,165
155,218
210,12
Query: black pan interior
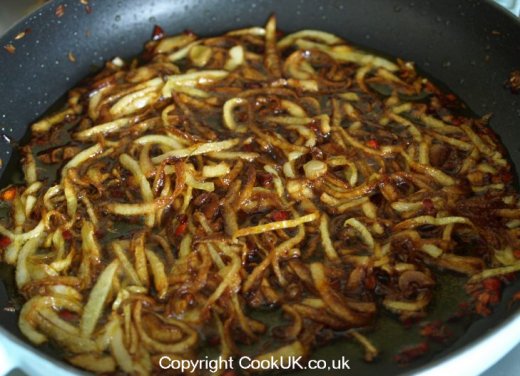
469,45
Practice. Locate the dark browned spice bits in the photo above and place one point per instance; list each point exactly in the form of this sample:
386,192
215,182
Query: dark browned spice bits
71,57
10,48
513,82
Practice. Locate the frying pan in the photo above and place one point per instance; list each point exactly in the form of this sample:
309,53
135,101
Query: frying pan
471,46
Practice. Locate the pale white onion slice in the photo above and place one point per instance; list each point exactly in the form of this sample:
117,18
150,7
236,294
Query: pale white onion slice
197,149
97,299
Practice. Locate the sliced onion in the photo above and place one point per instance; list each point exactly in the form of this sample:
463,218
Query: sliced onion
169,44
236,58
314,169
159,275
97,298
325,239
331,298
275,225
200,55
197,150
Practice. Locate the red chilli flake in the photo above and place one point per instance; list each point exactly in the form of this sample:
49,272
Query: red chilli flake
9,194
67,315
517,253
430,87
5,241
429,207
483,298
117,193
494,298
507,177
492,284
458,120
370,282
436,331
463,310
488,295
265,179
428,204
248,147
67,235
373,144
280,215
60,11
181,229
230,372
315,125
158,33
411,353
451,97
100,233
183,225
10,48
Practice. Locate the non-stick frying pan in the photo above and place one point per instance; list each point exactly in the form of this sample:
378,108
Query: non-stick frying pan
469,45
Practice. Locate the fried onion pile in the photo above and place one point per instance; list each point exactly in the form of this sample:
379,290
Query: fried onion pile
177,194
